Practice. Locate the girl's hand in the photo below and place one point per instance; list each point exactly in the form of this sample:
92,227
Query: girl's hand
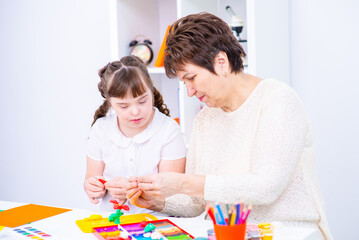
117,188
161,185
94,189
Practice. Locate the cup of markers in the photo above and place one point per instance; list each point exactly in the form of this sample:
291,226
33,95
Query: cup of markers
233,227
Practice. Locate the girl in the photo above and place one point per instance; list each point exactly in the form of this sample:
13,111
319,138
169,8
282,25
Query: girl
139,139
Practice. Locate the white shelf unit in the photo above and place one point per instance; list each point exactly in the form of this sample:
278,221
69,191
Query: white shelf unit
266,29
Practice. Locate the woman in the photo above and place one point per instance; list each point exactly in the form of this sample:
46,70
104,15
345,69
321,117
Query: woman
252,141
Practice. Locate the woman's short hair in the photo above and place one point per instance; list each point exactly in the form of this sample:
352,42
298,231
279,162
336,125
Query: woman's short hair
197,39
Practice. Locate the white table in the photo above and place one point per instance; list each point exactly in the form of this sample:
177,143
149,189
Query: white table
63,226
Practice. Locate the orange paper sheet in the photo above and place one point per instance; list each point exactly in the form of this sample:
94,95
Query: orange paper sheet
28,213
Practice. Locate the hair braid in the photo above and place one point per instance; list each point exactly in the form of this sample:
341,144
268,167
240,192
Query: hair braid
101,111
158,102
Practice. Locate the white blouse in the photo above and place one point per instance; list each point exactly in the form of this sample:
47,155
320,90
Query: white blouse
137,156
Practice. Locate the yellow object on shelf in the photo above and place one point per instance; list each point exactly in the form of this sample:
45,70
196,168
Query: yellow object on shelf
87,224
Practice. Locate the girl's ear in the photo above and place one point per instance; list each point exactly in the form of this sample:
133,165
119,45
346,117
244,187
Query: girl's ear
221,64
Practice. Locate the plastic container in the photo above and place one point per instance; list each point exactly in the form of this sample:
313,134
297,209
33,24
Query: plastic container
211,235
235,232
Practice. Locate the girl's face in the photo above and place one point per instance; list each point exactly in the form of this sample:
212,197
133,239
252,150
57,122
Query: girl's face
133,114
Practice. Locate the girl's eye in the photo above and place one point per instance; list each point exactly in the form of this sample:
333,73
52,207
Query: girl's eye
123,107
142,102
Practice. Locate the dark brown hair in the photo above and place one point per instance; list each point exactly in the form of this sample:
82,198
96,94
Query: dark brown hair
197,39
121,77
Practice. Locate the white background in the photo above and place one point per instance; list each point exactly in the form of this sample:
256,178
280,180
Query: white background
50,52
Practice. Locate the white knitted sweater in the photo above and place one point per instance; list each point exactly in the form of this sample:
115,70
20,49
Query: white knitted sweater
262,153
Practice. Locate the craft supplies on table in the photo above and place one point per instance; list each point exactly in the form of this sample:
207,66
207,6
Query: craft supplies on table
28,232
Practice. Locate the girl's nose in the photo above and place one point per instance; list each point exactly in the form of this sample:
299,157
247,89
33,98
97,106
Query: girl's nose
135,110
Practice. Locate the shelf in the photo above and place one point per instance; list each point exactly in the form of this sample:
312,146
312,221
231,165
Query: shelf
151,18
156,70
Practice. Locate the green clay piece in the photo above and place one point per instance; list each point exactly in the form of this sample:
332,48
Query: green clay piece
149,227
117,221
112,217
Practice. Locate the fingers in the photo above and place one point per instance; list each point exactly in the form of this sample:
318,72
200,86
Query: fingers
122,201
95,182
133,179
132,192
117,193
147,179
94,200
134,197
147,186
153,193
131,185
94,188
117,182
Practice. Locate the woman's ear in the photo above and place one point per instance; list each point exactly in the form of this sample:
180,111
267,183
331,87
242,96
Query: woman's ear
221,64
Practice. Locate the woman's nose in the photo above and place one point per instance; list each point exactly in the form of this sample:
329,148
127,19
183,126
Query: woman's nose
190,90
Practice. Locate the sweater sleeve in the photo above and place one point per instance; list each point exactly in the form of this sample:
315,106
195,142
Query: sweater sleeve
182,205
277,147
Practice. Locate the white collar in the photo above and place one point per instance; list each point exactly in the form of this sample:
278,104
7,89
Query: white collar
117,137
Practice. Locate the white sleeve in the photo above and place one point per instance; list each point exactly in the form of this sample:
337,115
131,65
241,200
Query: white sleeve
174,147
278,145
94,149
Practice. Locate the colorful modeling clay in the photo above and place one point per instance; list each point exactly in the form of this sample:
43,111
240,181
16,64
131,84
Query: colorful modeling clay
103,181
115,217
95,221
165,227
149,227
156,235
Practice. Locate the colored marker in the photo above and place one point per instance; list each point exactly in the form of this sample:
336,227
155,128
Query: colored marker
222,220
241,217
211,215
238,212
234,217
249,210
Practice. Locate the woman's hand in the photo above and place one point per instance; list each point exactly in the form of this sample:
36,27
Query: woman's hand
141,199
162,184
94,189
117,188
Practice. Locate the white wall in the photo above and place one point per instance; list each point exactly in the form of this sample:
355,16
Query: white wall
49,55
50,52
324,67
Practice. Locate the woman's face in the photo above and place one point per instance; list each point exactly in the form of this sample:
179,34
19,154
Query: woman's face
134,114
205,85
